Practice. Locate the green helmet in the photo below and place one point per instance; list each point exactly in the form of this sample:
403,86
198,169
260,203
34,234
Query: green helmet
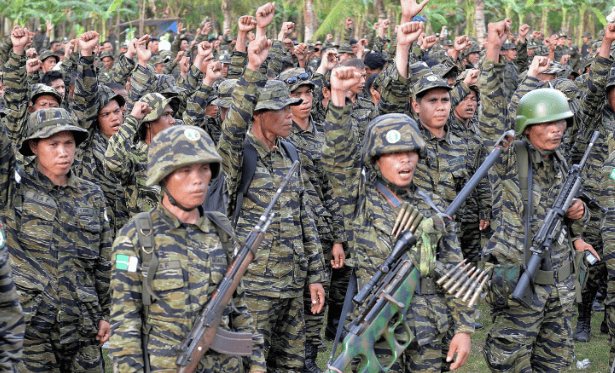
391,133
177,147
44,123
542,106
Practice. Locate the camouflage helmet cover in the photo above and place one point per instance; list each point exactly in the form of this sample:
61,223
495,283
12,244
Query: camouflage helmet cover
391,133
542,106
107,54
345,48
44,123
177,147
275,96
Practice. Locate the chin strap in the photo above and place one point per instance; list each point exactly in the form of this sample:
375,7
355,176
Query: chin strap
174,202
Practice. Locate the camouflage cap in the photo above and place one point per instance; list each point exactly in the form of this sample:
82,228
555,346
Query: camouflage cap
442,70
345,48
554,68
532,45
158,102
567,87
106,94
275,96
225,93
587,35
610,83
167,85
416,72
428,82
391,133
295,78
155,60
42,90
44,123
177,147
508,46
107,54
166,56
46,54
225,58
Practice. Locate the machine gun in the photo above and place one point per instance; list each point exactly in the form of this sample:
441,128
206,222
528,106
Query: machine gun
205,333
551,228
388,294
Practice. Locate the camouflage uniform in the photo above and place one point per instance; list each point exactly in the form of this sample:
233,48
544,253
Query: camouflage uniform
126,157
89,99
432,312
12,324
59,243
538,337
104,74
511,75
192,263
289,257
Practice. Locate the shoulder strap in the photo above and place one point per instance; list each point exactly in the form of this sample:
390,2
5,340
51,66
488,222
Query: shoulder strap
524,170
225,232
290,150
388,194
149,265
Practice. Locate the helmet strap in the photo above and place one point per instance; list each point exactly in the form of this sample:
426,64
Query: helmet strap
173,201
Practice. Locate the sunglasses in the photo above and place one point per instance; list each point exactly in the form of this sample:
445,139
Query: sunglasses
297,78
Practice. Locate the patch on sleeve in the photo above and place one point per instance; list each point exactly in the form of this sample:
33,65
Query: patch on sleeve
612,176
106,216
126,263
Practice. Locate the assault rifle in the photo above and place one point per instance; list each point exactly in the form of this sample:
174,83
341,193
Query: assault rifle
388,294
550,230
205,333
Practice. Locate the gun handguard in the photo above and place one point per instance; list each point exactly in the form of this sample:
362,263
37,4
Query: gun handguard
205,333
551,228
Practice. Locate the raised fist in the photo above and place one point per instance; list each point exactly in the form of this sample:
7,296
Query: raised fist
539,65
461,43
20,37
257,52
246,24
140,110
409,32
498,32
33,65
88,41
344,77
349,22
264,15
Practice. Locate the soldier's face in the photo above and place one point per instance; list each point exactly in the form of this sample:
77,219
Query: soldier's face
225,67
611,97
510,54
474,58
44,102
183,45
154,46
358,87
434,108
211,110
58,85
165,121
302,111
108,62
55,155
276,122
188,185
546,136
48,64
466,108
159,68
110,118
398,168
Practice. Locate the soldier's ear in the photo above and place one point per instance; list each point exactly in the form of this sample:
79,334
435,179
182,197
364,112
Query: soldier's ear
31,108
33,146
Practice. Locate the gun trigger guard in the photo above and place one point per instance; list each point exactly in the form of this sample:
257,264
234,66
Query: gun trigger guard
388,297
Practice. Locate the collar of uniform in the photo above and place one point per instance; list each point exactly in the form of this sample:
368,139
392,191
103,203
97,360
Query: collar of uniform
428,136
45,181
536,157
261,148
173,222
311,128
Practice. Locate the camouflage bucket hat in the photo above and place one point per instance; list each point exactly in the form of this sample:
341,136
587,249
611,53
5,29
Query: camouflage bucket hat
428,82
106,94
158,102
166,56
44,123
391,133
295,78
345,48
417,71
275,96
42,90
46,54
554,68
177,147
166,84
107,54
225,93
444,70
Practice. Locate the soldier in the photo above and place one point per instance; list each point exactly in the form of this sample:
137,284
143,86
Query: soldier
538,337
393,146
511,71
289,259
48,60
127,159
59,242
192,257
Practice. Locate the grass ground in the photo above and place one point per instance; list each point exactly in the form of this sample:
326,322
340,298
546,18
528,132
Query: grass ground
597,351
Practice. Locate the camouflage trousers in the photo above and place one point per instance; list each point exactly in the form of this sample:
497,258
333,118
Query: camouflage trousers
315,323
597,273
44,353
280,321
523,340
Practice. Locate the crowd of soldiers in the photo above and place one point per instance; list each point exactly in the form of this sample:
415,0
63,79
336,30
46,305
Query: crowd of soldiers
129,178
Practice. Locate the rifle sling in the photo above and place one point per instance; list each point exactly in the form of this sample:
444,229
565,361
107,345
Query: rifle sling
524,169
149,266
352,289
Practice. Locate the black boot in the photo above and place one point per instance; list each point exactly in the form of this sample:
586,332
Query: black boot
583,331
311,353
604,327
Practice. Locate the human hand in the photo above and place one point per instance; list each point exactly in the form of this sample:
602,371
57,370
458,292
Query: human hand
576,211
20,37
140,110
460,346
104,332
88,41
257,53
338,256
317,293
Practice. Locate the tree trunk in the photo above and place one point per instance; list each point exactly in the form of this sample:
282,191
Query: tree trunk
142,17
309,17
226,12
545,20
479,21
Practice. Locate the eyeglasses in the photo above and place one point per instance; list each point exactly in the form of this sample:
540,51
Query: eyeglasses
297,78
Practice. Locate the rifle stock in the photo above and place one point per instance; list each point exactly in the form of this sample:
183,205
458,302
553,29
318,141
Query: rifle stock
205,333
551,228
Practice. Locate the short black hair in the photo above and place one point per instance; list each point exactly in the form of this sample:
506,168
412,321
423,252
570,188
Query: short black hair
51,76
370,81
374,61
